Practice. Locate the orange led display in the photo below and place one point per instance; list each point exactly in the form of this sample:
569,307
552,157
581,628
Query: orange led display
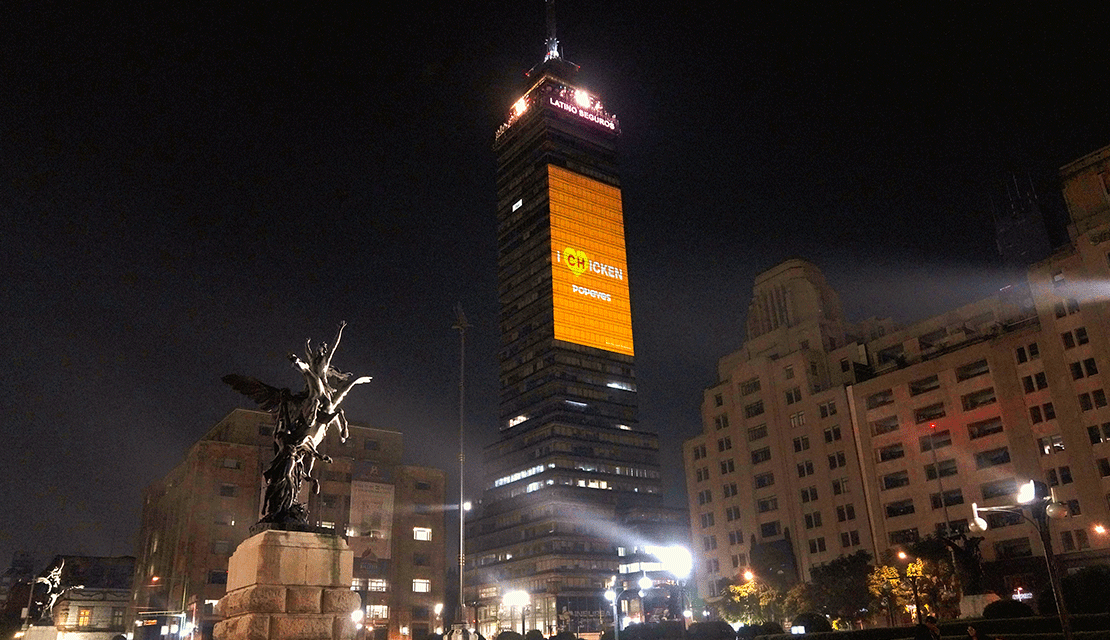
589,268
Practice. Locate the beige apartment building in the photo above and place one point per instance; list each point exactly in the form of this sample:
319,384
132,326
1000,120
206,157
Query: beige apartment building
823,437
391,515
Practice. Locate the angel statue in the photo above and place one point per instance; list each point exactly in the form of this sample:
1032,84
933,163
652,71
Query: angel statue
46,589
303,419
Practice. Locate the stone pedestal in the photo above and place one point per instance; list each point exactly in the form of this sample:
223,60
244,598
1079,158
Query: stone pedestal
288,585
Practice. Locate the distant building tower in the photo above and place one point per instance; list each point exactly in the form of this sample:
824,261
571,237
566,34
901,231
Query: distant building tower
1020,228
571,462
1086,185
21,569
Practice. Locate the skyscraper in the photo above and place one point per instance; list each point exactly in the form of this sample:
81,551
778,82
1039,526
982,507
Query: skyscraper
570,463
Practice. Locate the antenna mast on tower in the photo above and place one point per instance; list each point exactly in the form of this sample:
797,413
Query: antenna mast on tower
552,42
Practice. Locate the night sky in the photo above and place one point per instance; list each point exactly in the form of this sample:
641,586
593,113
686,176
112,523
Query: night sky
187,192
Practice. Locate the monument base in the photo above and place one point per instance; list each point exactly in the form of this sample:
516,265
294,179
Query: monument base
289,585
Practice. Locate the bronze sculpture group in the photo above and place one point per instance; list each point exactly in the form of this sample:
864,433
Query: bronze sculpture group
46,589
302,421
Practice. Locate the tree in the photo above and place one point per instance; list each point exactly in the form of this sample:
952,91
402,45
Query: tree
711,630
811,622
752,602
802,597
936,587
893,583
938,582
840,587
1085,590
887,591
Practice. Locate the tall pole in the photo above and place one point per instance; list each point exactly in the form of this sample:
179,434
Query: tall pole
1040,517
461,325
30,598
1041,508
940,483
947,519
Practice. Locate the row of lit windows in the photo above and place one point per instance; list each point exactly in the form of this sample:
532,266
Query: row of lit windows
419,585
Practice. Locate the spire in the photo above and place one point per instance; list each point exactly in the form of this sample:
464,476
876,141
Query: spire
553,61
552,42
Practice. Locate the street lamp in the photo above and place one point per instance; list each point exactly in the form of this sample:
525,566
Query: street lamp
612,596
458,629
1042,504
514,599
184,627
678,562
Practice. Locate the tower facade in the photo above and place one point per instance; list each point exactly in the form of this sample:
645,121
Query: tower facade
570,463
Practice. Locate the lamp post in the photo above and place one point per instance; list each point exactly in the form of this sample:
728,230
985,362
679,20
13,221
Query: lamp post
184,626
644,583
461,326
515,599
614,598
677,561
30,600
1042,504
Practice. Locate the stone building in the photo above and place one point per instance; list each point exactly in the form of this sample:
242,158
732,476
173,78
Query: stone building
823,437
392,516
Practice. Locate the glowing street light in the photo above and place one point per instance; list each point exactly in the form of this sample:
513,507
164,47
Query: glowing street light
1042,504
515,599
676,560
679,562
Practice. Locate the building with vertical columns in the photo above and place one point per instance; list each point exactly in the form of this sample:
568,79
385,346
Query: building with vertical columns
823,437
571,460
775,463
391,515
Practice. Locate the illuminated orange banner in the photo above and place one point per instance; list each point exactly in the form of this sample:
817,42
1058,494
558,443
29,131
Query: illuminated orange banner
589,268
